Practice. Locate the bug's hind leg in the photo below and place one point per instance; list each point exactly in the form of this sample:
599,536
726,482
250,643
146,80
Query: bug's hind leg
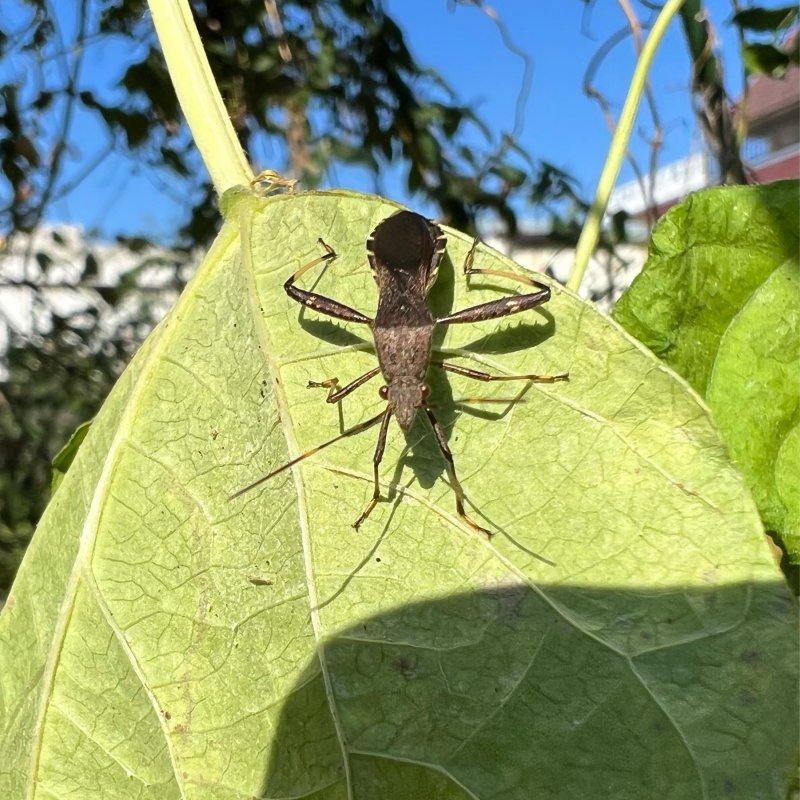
354,431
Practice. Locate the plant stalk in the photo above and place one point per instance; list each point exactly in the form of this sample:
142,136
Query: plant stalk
619,145
198,95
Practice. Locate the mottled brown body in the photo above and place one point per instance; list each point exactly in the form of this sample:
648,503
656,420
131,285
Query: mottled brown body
404,252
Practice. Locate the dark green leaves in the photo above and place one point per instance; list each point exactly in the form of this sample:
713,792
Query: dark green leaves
765,20
768,58
339,84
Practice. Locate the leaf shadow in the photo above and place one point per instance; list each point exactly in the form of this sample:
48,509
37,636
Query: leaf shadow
333,333
512,338
523,691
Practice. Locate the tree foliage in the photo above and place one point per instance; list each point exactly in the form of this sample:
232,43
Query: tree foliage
321,83
53,382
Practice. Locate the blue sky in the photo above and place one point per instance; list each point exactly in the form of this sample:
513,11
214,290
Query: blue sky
561,124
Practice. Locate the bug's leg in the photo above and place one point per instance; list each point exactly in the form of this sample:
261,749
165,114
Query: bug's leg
331,384
486,377
376,462
335,394
319,302
441,440
497,308
500,273
356,429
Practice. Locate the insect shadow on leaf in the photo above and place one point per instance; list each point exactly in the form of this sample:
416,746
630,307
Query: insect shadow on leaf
404,253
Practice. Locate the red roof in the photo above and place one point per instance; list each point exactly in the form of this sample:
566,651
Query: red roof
787,167
767,95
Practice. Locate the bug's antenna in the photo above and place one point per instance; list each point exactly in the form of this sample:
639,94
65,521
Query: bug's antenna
362,426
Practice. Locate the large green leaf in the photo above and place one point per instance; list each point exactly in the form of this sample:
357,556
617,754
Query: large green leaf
719,301
625,634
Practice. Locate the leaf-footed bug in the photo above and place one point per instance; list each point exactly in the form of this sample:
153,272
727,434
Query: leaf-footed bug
404,252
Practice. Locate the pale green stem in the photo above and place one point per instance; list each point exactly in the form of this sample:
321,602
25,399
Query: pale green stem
619,145
198,95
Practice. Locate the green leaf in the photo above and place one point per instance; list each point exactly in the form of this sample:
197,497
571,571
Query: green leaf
719,301
626,628
63,459
765,59
755,393
765,20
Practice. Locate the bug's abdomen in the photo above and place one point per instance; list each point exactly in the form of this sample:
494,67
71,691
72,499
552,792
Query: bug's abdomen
403,351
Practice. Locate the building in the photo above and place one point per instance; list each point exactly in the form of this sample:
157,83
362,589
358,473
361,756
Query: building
59,271
772,109
771,151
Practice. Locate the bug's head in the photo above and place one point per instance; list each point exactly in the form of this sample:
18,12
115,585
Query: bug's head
405,397
407,245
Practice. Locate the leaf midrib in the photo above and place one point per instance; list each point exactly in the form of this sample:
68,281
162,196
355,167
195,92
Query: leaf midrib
245,212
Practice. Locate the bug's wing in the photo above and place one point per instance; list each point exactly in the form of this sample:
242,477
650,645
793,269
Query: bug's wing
407,244
373,264
439,246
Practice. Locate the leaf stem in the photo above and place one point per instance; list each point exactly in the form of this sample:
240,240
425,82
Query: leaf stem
198,95
619,144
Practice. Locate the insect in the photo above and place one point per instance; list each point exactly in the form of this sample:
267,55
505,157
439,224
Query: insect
404,252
